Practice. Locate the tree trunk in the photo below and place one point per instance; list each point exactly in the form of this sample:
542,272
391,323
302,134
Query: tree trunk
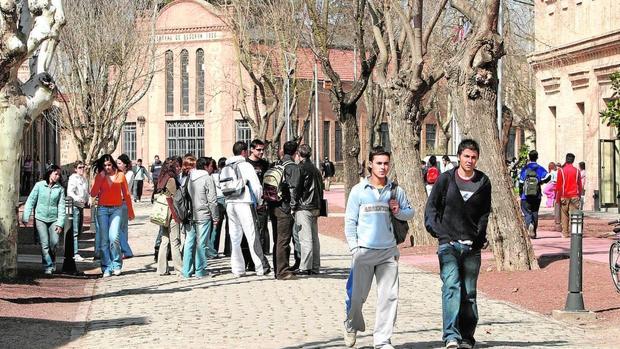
351,146
441,147
507,236
11,132
405,143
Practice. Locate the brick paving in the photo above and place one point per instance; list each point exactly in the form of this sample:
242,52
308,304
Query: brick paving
140,309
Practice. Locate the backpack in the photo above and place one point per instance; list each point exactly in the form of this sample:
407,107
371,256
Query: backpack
432,174
272,182
232,183
183,203
531,184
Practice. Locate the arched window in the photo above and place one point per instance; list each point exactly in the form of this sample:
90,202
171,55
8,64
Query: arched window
184,82
200,81
169,82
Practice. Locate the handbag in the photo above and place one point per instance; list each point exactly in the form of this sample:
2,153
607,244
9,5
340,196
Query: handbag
160,213
323,208
399,228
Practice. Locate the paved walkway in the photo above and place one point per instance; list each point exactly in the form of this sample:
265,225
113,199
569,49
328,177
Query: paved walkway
142,310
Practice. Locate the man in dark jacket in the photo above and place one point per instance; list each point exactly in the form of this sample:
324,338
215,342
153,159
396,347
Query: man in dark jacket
309,196
328,170
281,213
257,152
457,212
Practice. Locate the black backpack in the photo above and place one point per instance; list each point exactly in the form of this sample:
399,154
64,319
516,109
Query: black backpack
183,203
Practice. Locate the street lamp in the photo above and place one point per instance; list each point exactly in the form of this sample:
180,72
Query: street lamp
574,300
141,122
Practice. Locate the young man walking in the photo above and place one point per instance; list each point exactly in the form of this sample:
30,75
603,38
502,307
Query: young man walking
370,236
457,212
328,170
155,171
530,180
139,177
568,191
309,196
241,209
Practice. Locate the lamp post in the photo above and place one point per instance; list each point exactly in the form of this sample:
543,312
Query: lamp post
141,122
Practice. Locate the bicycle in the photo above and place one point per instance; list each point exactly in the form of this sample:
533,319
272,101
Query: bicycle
614,255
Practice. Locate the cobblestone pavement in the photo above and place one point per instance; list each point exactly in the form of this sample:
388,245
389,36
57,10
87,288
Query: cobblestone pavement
140,309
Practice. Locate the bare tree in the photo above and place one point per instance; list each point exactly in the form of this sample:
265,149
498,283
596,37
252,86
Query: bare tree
472,77
405,75
106,65
344,103
27,28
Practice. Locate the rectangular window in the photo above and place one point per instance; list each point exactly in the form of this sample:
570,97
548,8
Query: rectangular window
129,140
338,144
169,82
385,136
185,137
326,139
431,133
244,132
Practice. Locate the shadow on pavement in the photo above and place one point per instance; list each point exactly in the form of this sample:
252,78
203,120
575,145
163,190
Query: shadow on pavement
36,333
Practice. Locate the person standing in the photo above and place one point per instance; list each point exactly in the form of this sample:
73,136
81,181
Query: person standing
241,209
201,189
370,237
170,235
549,190
110,188
309,194
221,206
27,168
155,170
582,172
568,192
47,198
431,174
77,189
140,175
531,178
457,213
447,164
328,170
256,159
124,164
281,213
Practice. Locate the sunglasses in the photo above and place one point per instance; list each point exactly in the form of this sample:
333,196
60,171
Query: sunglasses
80,167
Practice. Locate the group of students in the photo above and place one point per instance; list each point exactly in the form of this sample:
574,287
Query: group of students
456,213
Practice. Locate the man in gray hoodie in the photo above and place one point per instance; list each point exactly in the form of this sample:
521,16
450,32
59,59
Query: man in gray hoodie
241,209
201,189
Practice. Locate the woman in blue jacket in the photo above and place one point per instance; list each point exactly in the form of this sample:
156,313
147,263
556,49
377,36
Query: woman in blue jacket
48,201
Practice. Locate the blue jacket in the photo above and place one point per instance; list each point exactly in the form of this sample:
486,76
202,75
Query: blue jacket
48,202
367,219
541,173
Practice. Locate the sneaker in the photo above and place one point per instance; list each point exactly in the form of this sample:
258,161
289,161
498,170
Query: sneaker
349,338
266,272
531,231
238,275
48,271
452,345
466,345
78,258
107,274
386,346
117,272
287,276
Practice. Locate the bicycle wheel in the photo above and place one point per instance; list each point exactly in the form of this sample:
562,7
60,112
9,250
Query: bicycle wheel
614,263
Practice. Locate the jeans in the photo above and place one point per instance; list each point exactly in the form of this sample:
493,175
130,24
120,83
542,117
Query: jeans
212,237
195,251
48,237
459,268
109,219
124,236
78,221
306,221
530,207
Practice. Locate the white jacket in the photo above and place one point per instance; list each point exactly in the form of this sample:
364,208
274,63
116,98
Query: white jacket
253,194
77,188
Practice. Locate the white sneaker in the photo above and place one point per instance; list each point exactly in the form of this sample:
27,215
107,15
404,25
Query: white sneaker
49,271
107,274
386,346
349,338
117,272
452,345
78,258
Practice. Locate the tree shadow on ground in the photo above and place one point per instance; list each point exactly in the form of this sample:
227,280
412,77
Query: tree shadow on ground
18,332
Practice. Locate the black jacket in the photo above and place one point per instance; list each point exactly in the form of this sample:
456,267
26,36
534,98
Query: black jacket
310,187
448,218
289,185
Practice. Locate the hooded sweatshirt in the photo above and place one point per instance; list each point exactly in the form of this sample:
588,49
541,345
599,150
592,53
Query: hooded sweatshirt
253,192
204,199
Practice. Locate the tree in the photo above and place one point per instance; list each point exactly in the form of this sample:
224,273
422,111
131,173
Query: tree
611,115
27,28
344,103
472,77
106,65
405,74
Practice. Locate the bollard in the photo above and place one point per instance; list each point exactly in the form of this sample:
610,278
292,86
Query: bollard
68,266
597,203
574,300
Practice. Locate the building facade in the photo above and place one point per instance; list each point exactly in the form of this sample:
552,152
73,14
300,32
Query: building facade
577,48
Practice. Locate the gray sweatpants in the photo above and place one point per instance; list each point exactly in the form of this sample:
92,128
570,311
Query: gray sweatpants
306,220
382,265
